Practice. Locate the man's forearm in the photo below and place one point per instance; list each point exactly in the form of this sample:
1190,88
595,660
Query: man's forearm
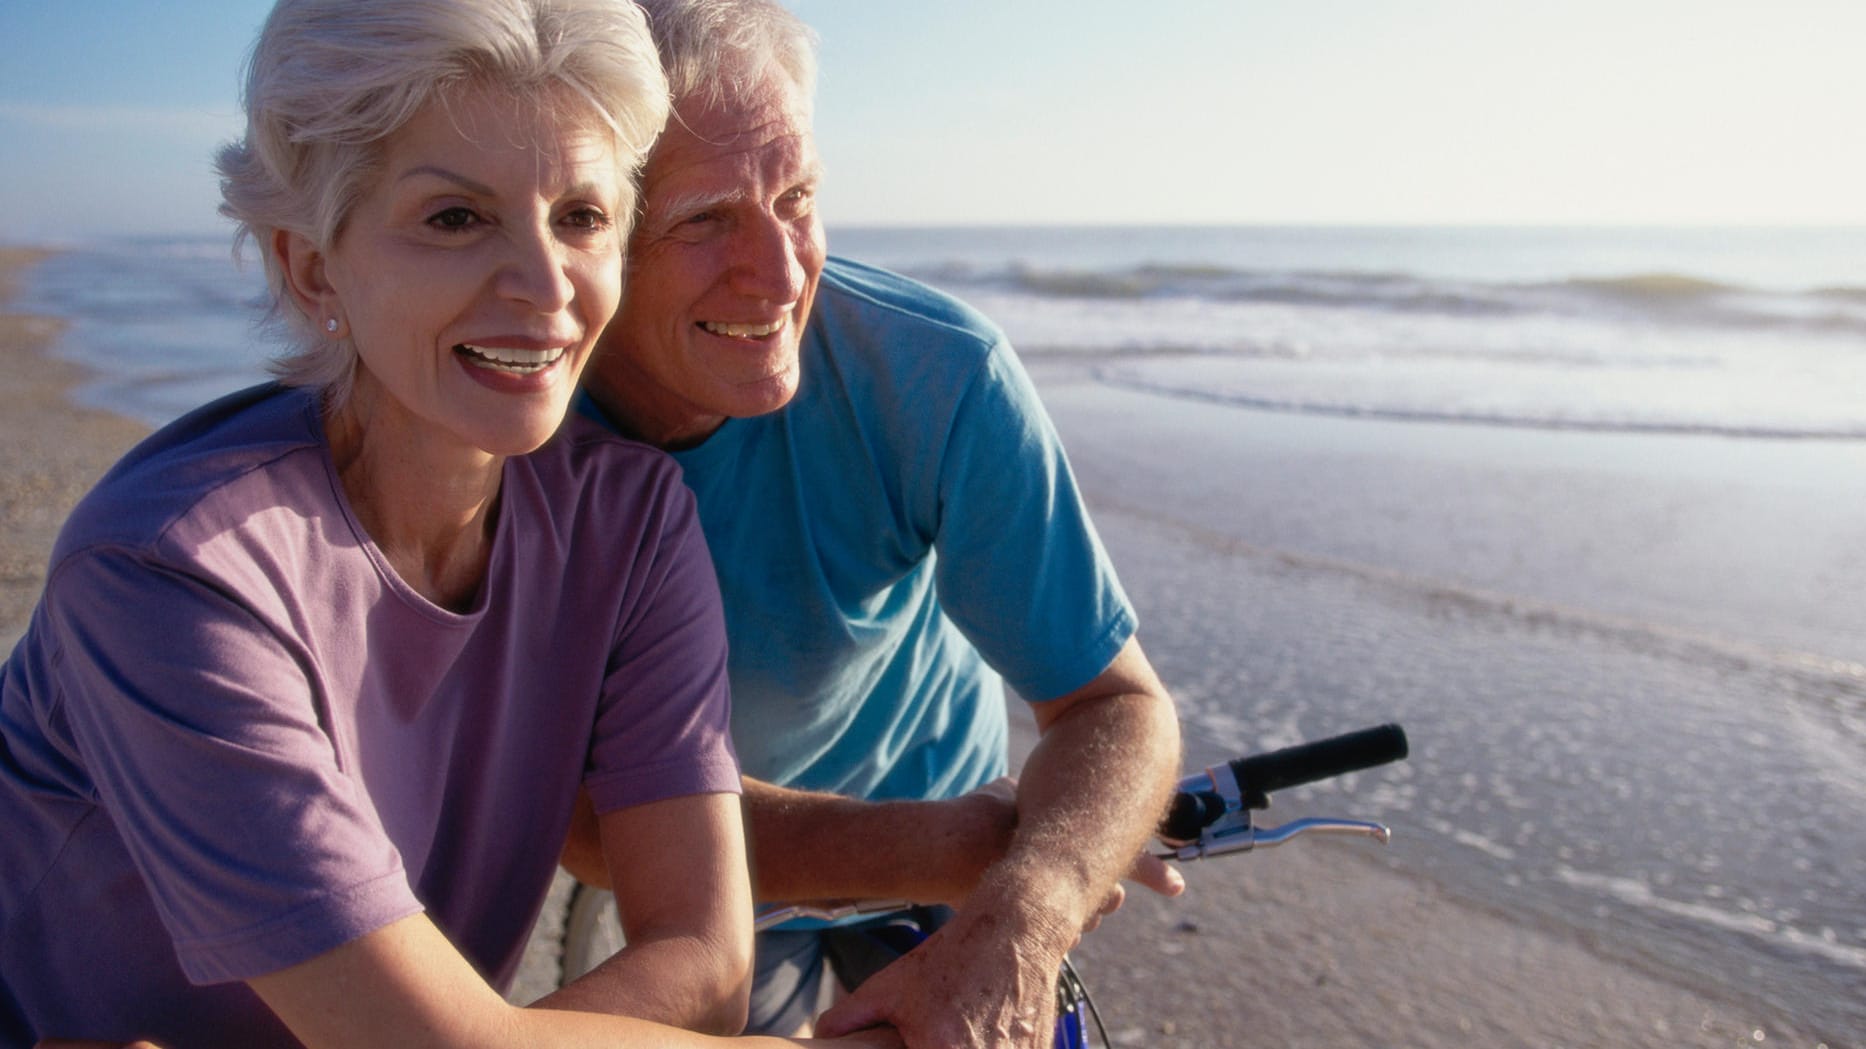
1089,795
806,845
1091,792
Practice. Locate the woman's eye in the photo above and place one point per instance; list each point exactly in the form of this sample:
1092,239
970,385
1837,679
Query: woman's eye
453,218
589,219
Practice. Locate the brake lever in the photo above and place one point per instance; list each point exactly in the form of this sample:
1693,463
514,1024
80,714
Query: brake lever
1236,834
828,910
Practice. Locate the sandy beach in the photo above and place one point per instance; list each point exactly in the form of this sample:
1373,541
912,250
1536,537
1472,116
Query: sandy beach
51,452
1325,944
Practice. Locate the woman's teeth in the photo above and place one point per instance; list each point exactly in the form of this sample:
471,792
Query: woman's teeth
522,362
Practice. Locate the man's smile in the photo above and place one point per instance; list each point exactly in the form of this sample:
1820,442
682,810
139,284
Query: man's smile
744,331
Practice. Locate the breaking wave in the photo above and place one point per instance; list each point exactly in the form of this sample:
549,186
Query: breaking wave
1673,297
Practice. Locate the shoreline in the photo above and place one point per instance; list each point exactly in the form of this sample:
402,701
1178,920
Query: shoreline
1323,944
1329,944
53,451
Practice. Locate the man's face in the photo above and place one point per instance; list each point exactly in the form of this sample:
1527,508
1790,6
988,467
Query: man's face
722,271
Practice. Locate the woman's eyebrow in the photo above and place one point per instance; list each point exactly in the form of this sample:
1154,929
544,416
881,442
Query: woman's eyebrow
435,171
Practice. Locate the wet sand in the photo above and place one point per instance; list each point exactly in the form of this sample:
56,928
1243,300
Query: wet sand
1318,944
1320,574
1314,945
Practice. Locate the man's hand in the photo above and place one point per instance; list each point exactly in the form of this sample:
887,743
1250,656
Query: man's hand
1090,795
984,979
972,983
1149,872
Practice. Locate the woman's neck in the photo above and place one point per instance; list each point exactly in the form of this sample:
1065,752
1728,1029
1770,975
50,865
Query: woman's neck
429,500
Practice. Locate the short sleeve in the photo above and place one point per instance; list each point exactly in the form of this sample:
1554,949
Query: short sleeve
201,732
1019,566
662,729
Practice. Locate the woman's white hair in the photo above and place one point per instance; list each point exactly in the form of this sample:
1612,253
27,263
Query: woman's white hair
722,52
329,80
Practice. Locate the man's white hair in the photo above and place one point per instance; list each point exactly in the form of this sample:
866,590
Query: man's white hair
722,52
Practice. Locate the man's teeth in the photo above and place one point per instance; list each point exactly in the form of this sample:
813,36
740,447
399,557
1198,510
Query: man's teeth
743,331
524,362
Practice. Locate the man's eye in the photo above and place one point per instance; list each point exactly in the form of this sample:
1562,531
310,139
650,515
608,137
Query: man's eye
797,202
453,218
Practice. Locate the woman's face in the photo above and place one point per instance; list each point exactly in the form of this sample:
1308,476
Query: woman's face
479,266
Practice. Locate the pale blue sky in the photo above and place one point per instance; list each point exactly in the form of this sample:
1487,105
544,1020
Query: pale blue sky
1205,111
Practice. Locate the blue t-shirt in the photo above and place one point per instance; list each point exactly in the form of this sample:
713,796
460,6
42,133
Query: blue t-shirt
888,544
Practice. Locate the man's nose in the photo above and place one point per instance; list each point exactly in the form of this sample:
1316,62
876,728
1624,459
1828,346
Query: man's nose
765,261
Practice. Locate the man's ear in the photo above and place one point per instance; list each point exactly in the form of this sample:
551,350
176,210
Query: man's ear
302,264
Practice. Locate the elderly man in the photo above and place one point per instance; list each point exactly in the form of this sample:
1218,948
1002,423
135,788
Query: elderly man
896,532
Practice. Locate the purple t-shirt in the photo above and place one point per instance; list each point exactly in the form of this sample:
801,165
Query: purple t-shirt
233,739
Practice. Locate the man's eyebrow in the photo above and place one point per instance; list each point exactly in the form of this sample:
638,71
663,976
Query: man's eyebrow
693,202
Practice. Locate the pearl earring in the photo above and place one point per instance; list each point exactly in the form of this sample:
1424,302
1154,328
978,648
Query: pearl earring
330,325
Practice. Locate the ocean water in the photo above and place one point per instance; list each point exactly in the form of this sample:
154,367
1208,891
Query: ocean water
1585,509
1733,331
1724,331
166,324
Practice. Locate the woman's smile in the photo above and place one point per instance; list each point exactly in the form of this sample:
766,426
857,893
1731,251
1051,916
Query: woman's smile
513,361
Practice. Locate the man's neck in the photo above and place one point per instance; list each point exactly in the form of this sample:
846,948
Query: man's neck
672,430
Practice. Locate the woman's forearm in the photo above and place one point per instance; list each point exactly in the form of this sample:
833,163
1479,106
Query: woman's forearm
679,981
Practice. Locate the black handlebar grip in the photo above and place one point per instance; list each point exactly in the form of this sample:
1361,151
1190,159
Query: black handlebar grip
1190,814
1308,762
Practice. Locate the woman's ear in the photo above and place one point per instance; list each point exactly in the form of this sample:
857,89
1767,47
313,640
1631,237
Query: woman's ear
303,265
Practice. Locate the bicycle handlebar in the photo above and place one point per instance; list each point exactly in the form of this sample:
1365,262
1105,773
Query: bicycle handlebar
1210,815
1207,798
1308,762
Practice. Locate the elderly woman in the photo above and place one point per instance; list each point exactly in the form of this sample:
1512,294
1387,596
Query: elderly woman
289,750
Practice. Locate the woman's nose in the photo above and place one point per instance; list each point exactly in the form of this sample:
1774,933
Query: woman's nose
534,271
